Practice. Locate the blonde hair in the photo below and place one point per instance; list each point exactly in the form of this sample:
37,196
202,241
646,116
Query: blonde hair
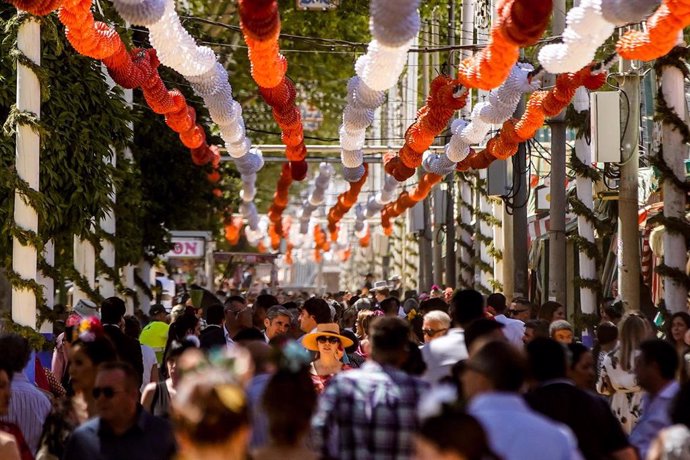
633,330
364,317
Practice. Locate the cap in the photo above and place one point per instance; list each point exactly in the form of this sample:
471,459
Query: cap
157,309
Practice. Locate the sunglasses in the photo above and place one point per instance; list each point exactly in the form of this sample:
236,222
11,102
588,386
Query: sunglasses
515,312
107,392
432,332
324,339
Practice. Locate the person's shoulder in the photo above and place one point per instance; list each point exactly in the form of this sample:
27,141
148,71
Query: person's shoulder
9,448
155,424
87,429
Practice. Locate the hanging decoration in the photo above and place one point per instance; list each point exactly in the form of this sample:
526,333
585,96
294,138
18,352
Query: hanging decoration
520,23
541,104
382,198
622,12
344,203
233,227
393,26
361,224
407,200
280,202
365,240
260,23
499,107
661,34
445,97
316,197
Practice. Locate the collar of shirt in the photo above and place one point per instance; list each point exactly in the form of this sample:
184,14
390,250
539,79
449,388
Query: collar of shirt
139,425
557,381
21,379
266,337
228,339
498,400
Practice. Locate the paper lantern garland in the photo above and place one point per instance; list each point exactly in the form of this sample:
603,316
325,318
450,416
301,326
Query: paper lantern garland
499,107
622,12
407,200
280,201
661,34
345,202
382,198
520,23
260,24
317,195
445,97
393,26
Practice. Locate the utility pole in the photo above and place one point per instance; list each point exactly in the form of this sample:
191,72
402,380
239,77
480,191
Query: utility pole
628,233
451,278
675,153
557,241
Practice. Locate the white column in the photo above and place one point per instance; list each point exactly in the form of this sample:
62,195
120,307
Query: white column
85,264
498,241
485,277
24,258
48,283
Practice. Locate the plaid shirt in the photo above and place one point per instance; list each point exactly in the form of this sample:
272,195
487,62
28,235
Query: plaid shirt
368,413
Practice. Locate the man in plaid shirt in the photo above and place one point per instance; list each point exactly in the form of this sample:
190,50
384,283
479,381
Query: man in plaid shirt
370,413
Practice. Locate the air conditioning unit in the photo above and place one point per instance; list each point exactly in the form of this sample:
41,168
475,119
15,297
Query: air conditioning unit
605,120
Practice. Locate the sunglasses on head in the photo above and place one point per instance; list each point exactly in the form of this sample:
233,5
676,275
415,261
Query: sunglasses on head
107,392
324,339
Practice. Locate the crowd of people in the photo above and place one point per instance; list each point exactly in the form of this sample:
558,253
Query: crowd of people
376,374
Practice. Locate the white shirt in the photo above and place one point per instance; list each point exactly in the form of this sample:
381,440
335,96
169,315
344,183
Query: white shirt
29,408
148,358
516,432
228,340
441,354
514,329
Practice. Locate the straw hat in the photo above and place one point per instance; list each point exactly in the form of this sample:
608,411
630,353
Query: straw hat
325,330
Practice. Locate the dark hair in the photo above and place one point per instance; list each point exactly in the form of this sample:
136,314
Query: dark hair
540,326
548,309
209,408
576,350
112,310
5,366
390,305
178,348
249,334
480,328
352,300
291,305
433,304
458,432
132,327
502,364
395,293
466,306
289,401
607,332
319,309
15,351
215,314
176,333
352,336
497,301
547,359
615,310
388,334
663,354
100,350
265,301
679,408
669,324
131,376
414,364
235,298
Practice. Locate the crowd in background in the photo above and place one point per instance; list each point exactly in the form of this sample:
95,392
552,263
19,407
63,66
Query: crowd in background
374,374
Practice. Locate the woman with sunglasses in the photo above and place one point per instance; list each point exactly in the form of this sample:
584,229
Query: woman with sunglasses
330,347
89,348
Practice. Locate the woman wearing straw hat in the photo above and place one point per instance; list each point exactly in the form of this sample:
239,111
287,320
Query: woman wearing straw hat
330,347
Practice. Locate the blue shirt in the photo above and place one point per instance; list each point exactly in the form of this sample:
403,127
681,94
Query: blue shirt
150,438
516,432
255,393
368,413
654,417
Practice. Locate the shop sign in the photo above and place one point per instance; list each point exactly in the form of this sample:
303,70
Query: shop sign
187,248
317,4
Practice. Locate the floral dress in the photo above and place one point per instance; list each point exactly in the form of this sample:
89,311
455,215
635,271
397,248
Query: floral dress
622,386
321,381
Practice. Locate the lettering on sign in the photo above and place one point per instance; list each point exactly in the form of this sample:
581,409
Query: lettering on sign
317,4
187,248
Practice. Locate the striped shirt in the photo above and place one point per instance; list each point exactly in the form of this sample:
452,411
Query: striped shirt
29,408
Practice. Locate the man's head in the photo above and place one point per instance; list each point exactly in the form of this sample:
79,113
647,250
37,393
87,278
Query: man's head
215,314
521,308
607,334
496,303
277,321
261,305
390,306
157,312
381,293
389,339
482,331
436,324
116,392
314,311
561,331
15,351
466,306
113,311
547,359
535,328
497,366
656,365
